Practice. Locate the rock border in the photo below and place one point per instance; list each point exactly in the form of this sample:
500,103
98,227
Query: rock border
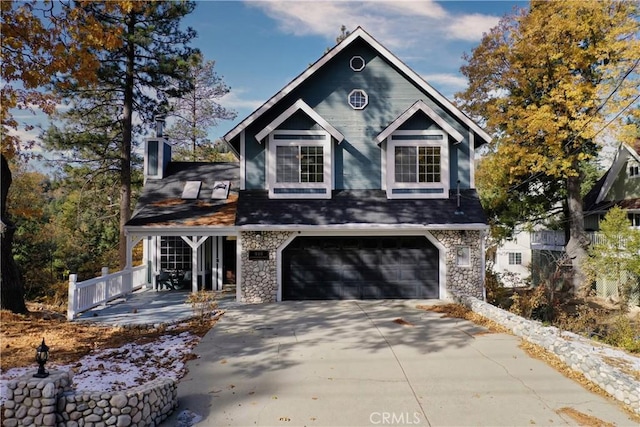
569,348
52,402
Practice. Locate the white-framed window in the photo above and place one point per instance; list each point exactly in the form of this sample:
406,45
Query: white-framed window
417,164
634,218
299,164
357,63
515,258
634,171
358,99
463,256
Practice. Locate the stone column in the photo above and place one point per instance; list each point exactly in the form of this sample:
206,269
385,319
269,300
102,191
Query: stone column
33,401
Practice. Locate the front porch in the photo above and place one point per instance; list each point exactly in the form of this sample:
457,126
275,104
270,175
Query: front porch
146,307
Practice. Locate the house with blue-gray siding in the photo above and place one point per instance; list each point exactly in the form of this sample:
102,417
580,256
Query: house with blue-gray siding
355,181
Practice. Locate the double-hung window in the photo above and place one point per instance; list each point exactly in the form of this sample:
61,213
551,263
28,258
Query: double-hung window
417,164
299,164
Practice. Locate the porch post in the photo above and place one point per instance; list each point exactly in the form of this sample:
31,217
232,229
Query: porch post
194,243
219,263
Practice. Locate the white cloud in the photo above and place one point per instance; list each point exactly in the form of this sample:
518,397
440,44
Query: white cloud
450,81
471,27
236,101
396,24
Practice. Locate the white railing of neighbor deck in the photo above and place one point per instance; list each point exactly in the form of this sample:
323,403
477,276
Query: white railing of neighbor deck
91,293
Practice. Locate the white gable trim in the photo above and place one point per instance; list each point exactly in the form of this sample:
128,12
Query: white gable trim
420,106
359,33
299,105
618,163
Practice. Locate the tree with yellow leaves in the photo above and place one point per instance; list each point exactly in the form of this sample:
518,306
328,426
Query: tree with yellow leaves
42,43
549,83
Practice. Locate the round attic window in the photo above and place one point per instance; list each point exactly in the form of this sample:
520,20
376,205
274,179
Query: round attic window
357,63
358,99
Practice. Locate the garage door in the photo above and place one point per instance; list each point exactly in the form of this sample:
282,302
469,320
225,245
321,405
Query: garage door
360,268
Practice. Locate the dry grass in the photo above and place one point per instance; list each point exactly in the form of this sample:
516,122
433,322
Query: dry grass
68,341
583,419
462,312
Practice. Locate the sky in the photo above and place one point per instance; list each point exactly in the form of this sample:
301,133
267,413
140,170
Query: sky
260,46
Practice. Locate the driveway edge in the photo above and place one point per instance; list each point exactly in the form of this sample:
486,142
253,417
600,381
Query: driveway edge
578,353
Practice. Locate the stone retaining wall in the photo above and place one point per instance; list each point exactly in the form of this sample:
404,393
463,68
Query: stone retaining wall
52,402
568,347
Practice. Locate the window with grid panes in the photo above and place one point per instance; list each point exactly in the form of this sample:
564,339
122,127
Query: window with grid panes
175,253
299,164
417,164
515,258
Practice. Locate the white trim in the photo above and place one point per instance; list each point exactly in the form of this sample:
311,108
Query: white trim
364,94
386,54
364,63
389,152
155,230
328,229
239,268
271,172
472,161
243,161
442,253
383,165
420,106
299,105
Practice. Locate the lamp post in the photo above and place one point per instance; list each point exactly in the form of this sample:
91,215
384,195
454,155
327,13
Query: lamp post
42,355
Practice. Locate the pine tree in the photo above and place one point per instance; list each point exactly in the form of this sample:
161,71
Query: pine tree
198,109
136,80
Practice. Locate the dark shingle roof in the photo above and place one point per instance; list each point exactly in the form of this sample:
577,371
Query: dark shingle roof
357,207
161,202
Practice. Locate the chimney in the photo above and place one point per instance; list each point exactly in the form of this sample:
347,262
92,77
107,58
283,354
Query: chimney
157,152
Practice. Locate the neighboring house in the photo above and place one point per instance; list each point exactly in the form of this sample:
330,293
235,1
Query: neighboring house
513,258
355,181
620,186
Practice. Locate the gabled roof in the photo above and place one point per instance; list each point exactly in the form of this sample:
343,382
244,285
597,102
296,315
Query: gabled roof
299,105
359,33
595,199
420,106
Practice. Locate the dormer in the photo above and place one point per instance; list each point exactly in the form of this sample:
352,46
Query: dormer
299,159
415,161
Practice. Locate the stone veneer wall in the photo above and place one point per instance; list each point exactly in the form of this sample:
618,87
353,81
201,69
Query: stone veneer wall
463,280
570,348
259,278
52,402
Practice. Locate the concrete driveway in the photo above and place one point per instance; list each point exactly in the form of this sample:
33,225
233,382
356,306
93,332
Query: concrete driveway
368,363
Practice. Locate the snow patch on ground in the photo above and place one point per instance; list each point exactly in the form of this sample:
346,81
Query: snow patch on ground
124,367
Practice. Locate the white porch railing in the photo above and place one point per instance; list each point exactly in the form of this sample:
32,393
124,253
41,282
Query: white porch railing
93,292
547,238
556,238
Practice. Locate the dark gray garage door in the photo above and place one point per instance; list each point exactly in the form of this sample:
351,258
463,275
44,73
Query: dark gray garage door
360,268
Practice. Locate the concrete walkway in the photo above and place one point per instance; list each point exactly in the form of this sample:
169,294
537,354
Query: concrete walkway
147,307
357,363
